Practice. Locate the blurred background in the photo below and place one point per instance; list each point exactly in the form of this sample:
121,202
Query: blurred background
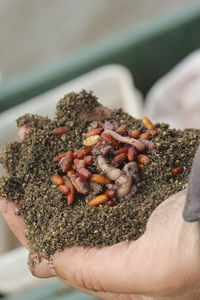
36,33
141,55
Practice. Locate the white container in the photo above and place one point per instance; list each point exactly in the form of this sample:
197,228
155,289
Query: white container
175,98
114,87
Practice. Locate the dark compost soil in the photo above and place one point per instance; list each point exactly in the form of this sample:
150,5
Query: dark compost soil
51,223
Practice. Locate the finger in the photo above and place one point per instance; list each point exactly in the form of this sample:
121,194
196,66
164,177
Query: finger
115,268
22,130
96,269
42,269
16,223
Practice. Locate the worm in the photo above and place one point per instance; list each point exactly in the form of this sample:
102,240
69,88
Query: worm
111,173
126,140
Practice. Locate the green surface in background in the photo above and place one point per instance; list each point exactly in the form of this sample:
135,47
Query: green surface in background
149,52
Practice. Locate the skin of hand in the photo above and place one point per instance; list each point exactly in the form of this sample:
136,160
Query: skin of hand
164,263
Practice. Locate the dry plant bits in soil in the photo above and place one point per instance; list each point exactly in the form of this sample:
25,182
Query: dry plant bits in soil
92,176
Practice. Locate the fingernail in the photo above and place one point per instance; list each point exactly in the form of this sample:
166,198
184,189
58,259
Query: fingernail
41,267
44,269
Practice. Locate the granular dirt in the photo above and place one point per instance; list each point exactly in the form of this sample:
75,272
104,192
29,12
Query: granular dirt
51,223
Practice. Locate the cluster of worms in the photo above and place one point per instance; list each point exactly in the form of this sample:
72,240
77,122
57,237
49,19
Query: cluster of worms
112,156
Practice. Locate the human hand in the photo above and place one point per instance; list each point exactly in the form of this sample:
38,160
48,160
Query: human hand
164,263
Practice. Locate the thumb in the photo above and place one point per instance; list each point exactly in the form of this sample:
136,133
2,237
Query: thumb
114,268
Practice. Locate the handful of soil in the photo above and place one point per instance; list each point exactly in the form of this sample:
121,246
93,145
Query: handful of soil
92,176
